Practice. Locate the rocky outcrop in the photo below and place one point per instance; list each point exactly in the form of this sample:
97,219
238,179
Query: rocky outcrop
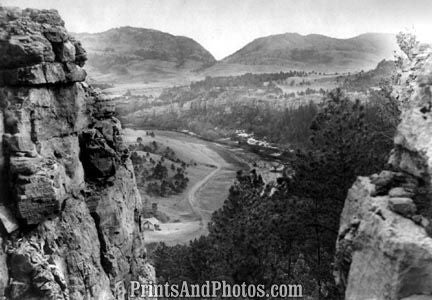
70,207
384,247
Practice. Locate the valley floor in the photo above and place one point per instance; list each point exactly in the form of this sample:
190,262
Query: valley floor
211,173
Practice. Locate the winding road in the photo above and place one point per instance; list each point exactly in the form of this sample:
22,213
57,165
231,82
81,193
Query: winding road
211,175
175,233
193,201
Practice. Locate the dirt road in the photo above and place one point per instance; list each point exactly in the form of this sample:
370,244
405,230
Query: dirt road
175,233
183,232
192,195
212,171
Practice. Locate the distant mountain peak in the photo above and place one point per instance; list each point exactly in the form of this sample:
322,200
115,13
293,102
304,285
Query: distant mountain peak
140,52
316,51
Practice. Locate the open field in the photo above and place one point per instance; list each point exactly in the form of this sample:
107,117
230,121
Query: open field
212,171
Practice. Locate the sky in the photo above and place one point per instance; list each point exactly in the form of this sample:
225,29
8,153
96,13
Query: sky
224,26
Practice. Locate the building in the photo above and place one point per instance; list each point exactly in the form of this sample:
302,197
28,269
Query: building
150,224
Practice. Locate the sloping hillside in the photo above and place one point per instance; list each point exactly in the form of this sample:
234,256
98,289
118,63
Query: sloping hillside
141,54
362,81
316,52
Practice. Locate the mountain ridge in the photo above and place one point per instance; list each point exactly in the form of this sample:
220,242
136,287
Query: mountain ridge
316,51
129,53
132,52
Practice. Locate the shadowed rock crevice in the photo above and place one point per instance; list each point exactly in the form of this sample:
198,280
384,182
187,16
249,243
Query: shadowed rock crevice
106,263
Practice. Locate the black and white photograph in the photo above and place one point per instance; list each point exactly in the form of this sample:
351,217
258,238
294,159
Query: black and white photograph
215,149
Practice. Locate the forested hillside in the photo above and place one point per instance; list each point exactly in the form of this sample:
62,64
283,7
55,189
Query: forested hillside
316,52
286,232
275,107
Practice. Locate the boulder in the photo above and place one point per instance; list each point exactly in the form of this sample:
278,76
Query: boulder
74,73
403,206
400,192
80,53
386,251
55,73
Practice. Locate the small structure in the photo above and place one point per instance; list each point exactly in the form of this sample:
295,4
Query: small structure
151,224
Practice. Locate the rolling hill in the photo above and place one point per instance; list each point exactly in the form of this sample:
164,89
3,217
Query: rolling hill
313,52
362,81
139,54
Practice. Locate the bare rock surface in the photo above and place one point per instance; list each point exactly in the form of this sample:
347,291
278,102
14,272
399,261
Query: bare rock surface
384,247
402,205
69,205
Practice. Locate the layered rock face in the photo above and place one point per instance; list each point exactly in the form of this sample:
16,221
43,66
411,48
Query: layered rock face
69,205
384,248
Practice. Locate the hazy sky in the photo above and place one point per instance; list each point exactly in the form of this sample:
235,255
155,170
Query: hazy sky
224,26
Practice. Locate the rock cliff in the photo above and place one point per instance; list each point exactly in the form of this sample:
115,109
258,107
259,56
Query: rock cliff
69,205
384,247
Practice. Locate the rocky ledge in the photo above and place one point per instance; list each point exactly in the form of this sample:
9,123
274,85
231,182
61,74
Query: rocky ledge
384,248
69,205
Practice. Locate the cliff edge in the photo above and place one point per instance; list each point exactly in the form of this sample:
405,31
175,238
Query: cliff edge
384,247
69,205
